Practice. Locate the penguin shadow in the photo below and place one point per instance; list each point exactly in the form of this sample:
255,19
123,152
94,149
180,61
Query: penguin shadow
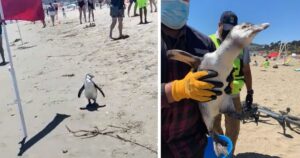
25,145
92,107
256,155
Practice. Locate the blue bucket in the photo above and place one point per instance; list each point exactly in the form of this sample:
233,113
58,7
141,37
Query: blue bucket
209,149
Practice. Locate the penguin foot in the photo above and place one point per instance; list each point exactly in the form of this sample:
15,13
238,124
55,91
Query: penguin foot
92,107
220,146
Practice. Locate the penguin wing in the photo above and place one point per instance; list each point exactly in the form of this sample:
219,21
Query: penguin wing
80,91
99,90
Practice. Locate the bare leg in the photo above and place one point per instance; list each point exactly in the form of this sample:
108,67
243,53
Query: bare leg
84,13
151,2
44,23
80,15
155,6
2,51
90,12
141,16
145,12
233,125
93,15
52,19
112,26
135,8
128,10
120,21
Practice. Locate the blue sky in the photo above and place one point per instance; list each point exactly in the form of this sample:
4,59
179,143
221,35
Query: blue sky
283,15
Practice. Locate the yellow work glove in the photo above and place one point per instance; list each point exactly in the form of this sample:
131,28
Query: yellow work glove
196,85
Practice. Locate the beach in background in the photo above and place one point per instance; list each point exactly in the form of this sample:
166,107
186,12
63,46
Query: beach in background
276,89
50,69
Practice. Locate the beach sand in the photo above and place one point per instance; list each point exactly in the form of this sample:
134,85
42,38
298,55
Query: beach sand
50,69
276,89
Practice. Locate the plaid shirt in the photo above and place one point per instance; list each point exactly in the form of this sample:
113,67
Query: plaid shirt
183,131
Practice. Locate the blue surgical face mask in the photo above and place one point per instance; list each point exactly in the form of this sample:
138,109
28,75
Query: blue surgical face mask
174,13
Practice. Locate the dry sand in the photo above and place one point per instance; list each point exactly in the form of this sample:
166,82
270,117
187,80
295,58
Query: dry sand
276,89
126,70
50,69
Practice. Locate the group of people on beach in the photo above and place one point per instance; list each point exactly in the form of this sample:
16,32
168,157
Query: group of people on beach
117,10
82,9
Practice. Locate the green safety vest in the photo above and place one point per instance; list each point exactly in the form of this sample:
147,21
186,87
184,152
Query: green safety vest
238,75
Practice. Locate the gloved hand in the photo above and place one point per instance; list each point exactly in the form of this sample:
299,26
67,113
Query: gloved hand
196,85
249,98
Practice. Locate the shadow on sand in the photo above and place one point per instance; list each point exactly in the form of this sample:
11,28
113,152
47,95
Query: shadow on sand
92,107
52,125
3,63
254,155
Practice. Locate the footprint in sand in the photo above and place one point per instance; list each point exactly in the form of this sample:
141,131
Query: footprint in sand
71,35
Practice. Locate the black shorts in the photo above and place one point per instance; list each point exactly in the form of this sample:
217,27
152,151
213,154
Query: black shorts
91,5
116,12
81,4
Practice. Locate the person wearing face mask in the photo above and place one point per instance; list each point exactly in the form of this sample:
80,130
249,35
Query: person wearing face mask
241,74
183,132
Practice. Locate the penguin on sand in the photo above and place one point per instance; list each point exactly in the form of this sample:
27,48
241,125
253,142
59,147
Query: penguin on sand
90,89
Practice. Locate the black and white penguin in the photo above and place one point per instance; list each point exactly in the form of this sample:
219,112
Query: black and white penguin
90,89
220,61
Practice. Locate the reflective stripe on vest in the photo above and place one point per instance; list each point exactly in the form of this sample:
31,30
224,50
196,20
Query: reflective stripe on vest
238,75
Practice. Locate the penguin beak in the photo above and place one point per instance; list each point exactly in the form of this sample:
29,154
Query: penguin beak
258,28
90,76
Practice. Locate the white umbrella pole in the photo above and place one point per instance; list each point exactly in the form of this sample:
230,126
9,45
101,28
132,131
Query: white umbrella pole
13,76
20,33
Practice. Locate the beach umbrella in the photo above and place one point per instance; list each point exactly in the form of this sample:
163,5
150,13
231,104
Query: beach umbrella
273,55
28,10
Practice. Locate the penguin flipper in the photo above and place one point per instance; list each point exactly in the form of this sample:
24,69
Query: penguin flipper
99,90
80,91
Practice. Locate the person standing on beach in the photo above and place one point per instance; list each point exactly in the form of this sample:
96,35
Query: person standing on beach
52,12
153,2
64,12
117,10
55,4
100,3
2,22
91,7
81,8
241,74
142,5
129,7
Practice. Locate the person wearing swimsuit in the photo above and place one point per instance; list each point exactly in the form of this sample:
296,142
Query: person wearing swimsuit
91,8
81,9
